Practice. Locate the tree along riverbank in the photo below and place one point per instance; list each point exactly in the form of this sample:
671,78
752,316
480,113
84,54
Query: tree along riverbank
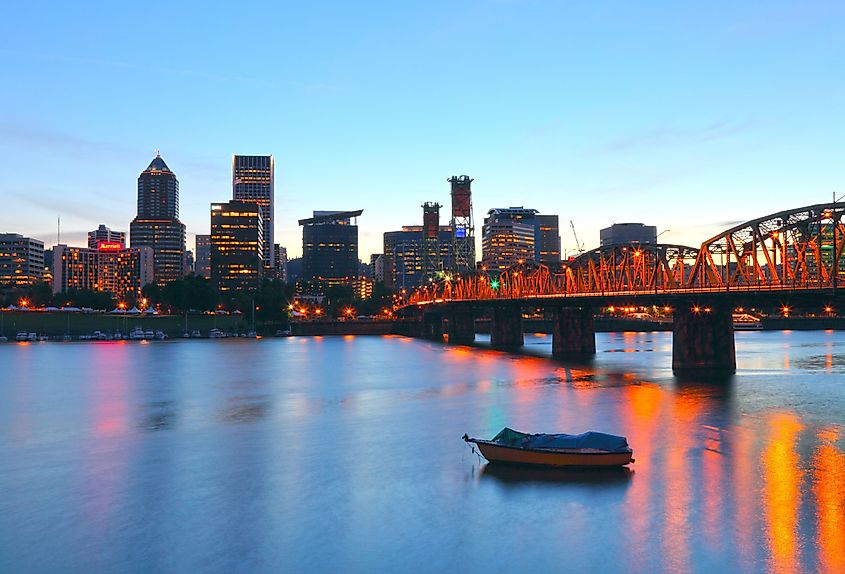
56,325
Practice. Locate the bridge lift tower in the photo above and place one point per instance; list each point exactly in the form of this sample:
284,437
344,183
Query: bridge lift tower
431,264
463,228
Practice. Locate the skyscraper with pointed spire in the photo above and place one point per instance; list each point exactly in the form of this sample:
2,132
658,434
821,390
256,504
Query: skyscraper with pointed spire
157,224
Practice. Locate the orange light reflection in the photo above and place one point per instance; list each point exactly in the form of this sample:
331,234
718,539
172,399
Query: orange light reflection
829,490
782,492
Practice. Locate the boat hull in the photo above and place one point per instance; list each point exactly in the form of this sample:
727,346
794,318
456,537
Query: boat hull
552,458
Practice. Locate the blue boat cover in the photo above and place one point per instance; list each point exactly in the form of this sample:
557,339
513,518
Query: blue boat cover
591,439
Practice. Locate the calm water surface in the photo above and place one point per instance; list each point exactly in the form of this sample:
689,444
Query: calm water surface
343,454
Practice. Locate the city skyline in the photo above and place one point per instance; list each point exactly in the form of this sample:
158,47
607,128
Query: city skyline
688,119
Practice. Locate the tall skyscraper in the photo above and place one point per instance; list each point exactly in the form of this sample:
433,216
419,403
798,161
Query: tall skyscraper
507,237
237,248
157,224
330,247
21,260
103,233
547,240
253,179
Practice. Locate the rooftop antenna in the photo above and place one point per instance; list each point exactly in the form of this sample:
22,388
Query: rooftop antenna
59,231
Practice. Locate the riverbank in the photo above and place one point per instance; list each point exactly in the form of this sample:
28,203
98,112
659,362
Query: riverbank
76,325
57,326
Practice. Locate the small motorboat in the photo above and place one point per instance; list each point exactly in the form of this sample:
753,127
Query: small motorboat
587,450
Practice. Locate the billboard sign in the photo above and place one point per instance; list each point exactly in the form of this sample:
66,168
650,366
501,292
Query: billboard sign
109,246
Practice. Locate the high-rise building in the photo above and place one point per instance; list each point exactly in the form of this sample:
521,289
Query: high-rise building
547,240
237,246
330,247
377,267
157,224
628,233
189,262
432,263
21,260
253,178
281,255
402,261
108,267
507,237
202,258
103,233
463,227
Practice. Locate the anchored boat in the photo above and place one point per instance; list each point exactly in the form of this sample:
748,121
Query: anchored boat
590,449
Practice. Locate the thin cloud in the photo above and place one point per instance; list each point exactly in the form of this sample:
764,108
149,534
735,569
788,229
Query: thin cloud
56,204
73,237
674,137
31,135
182,72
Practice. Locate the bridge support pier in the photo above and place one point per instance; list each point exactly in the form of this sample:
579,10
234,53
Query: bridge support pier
506,329
573,333
703,341
432,326
461,327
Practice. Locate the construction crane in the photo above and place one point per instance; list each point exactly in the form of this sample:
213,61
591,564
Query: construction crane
578,245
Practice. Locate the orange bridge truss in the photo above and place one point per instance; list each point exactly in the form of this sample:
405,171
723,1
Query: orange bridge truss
798,249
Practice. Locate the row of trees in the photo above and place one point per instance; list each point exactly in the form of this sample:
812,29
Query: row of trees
194,293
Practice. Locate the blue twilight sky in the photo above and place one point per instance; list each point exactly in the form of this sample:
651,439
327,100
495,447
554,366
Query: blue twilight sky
685,115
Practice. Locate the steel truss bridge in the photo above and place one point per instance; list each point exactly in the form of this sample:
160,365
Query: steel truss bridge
791,252
793,256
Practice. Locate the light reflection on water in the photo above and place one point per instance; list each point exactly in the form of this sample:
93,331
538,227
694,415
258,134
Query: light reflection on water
343,454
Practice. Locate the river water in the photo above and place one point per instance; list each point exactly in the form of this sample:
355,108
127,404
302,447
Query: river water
343,454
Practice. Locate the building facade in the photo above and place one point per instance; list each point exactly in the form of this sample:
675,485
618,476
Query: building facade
21,261
377,267
281,259
404,258
253,179
507,237
547,240
157,224
190,264
103,233
628,233
330,247
237,246
109,267
202,256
